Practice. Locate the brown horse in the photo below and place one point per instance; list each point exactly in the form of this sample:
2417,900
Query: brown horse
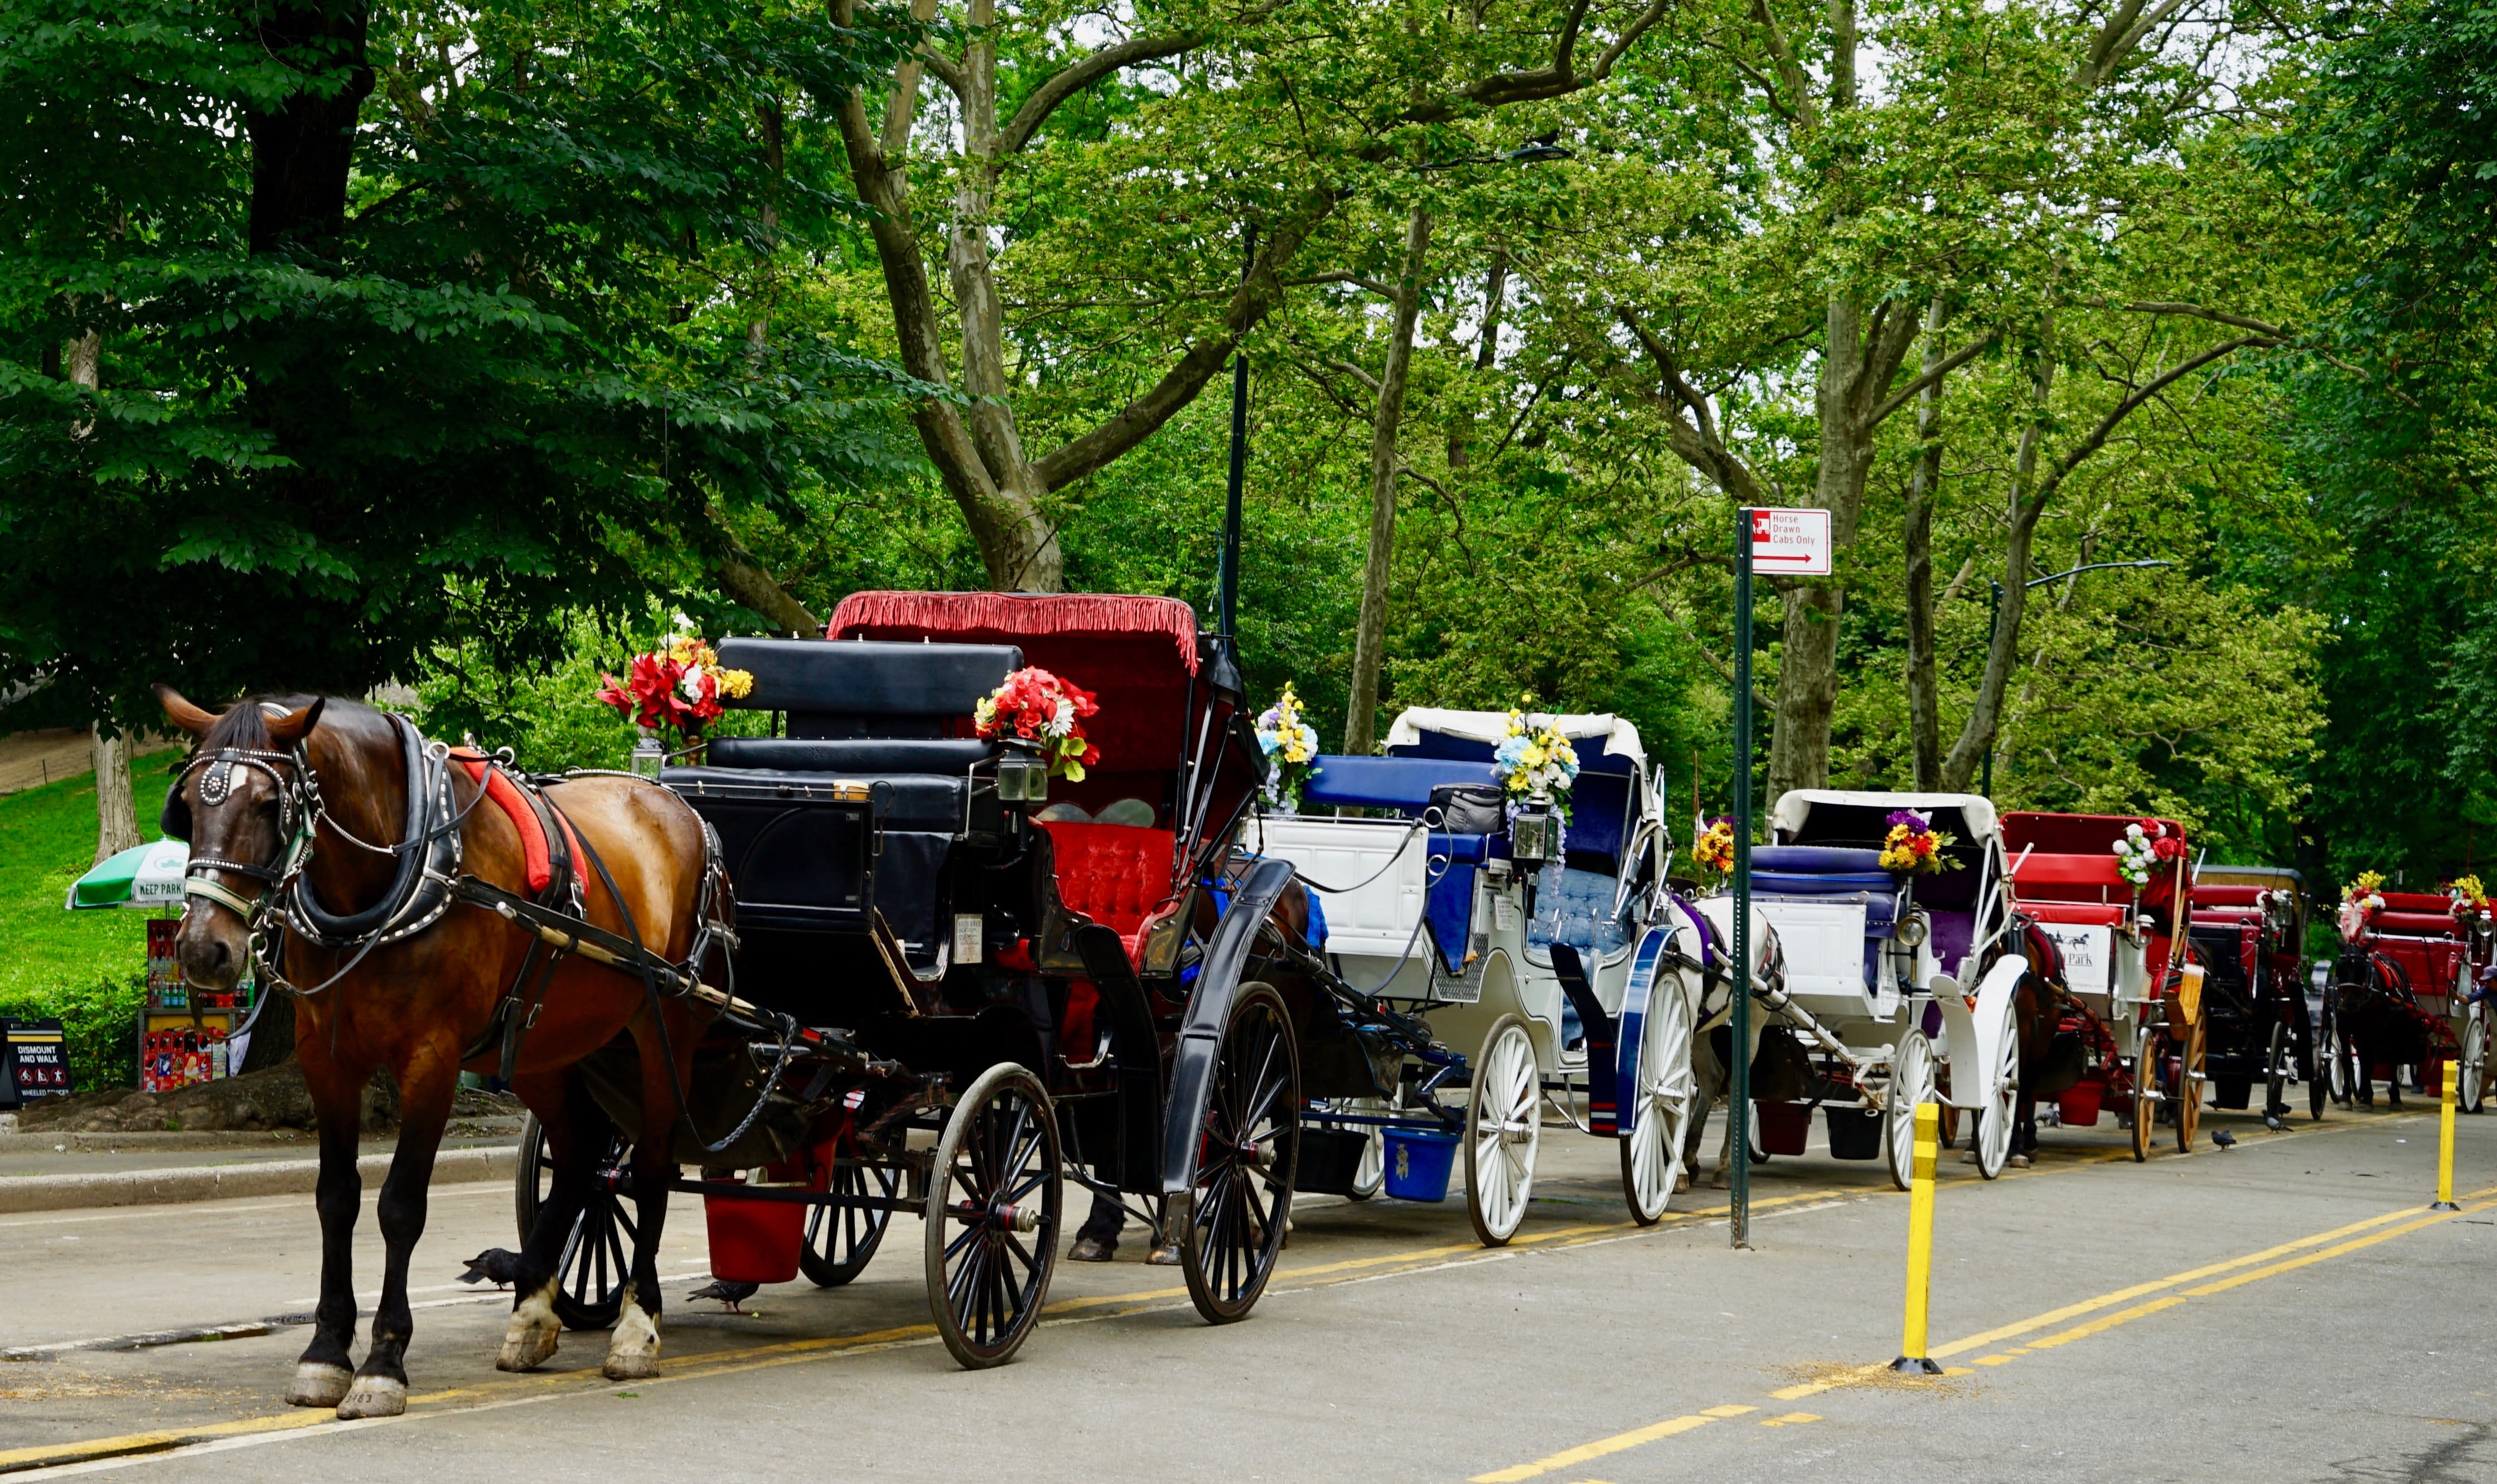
272,776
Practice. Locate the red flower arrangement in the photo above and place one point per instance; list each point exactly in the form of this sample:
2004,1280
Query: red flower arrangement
1039,708
676,687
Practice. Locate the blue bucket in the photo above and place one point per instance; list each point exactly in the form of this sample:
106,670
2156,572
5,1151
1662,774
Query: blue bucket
1418,1162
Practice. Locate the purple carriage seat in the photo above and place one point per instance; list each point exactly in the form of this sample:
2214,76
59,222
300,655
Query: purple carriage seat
1830,872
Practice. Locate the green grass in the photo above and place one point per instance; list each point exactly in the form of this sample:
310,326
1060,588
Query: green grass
89,969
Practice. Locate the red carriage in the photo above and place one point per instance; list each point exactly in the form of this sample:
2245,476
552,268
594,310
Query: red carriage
2249,933
2123,992
2405,992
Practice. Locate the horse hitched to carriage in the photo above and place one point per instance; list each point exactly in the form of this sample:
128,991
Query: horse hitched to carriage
2249,933
1900,964
974,975
1487,956
2126,1016
2408,991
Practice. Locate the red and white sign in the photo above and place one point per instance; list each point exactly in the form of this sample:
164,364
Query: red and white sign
1790,543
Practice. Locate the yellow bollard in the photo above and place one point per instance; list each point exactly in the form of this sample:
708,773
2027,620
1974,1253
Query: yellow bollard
1913,1360
2449,1074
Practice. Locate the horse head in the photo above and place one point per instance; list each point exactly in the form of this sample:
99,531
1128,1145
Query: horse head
239,803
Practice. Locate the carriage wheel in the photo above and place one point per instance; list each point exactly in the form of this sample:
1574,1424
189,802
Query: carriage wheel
842,1239
2145,1092
2188,1086
2000,1118
1912,1083
1248,1150
597,1257
2332,1069
992,1216
2276,1079
1503,1128
1372,1172
2473,1071
1658,1119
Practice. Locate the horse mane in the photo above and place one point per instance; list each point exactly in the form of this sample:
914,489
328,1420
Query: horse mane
245,723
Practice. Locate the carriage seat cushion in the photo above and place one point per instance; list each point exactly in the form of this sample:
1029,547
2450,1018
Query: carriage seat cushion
1115,874
920,801
2082,914
1576,907
1780,883
2433,924
2217,896
868,677
1817,860
852,758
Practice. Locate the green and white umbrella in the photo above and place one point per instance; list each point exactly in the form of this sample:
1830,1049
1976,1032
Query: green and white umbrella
143,876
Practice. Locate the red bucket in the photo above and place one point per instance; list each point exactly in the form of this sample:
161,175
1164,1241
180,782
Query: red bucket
2078,1105
754,1242
1784,1127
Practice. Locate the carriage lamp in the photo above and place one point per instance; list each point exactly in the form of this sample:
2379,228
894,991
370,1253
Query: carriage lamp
1535,833
648,757
1023,780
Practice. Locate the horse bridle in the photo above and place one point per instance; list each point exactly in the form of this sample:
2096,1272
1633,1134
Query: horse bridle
298,813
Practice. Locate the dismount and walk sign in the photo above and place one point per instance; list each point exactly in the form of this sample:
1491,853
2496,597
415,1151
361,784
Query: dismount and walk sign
1789,543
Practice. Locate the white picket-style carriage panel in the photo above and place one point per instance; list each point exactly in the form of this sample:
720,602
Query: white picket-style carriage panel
1383,861
1823,941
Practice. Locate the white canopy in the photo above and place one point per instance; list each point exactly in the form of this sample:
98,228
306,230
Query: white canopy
1795,803
1620,738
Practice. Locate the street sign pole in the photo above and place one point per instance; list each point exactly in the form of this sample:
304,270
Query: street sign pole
1739,1218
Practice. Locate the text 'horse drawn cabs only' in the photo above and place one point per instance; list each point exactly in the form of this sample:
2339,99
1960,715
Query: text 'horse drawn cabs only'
2124,1017
1496,954
1901,966
2406,992
992,978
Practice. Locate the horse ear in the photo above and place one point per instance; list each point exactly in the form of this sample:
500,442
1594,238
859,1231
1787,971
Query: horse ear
295,726
182,714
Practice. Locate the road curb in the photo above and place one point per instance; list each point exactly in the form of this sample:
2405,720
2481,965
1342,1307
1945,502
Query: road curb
286,1177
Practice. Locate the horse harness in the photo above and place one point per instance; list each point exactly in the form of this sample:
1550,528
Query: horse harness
431,857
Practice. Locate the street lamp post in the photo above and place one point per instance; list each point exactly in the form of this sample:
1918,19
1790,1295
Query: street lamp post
1994,622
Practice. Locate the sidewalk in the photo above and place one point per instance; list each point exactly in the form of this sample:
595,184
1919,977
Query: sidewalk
63,1171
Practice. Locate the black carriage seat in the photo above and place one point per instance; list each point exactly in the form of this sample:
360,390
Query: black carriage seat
856,690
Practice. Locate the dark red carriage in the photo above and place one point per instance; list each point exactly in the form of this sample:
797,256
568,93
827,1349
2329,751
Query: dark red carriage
984,980
2406,994
2249,933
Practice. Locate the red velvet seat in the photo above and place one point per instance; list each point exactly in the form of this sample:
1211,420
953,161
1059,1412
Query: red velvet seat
2435,925
2094,914
1115,874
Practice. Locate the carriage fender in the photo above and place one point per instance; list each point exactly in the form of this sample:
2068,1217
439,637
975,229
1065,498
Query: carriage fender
1974,1035
1651,975
1209,1012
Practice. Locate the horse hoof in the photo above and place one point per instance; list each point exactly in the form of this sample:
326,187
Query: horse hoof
2019,1161
318,1385
640,1366
1682,1183
528,1350
1163,1256
374,1396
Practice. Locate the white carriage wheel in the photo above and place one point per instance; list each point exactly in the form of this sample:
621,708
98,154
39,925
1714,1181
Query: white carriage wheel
1912,1083
1658,1117
1994,1127
1503,1128
2472,1086
1372,1172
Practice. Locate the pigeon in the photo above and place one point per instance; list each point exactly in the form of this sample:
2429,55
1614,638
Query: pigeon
2223,1138
495,1265
729,1293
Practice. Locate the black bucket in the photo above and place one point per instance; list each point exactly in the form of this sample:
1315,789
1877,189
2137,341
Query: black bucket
1330,1161
1854,1133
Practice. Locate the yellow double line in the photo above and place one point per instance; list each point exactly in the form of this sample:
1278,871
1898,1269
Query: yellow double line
2206,1281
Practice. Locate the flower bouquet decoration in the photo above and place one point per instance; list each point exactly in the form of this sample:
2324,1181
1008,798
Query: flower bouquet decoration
1914,846
1535,761
2358,899
1292,748
677,689
2141,850
2470,901
1713,850
1044,712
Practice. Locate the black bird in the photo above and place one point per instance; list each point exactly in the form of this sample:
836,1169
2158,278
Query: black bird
2223,1138
495,1265
729,1293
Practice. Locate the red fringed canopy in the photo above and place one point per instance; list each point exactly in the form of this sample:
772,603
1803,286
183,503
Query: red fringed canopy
1013,618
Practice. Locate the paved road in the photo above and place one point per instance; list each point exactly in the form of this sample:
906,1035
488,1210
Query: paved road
2287,1311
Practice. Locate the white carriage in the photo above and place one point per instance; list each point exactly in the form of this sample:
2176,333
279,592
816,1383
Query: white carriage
1897,988
1504,972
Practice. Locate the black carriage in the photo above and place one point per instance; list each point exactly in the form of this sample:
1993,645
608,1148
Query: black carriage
961,981
2249,931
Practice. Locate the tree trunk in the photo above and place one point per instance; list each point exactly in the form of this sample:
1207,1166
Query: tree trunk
116,816
1924,487
1369,640
1486,356
302,148
1808,665
1976,735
